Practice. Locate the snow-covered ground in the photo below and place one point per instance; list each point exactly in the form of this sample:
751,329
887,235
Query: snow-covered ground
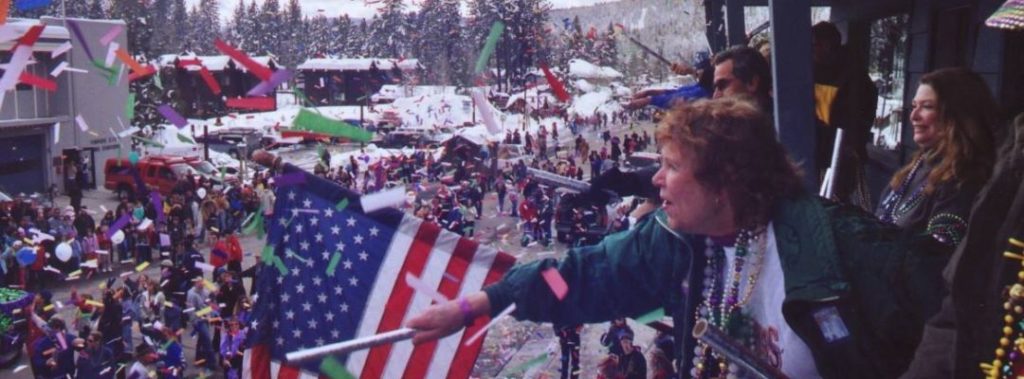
443,111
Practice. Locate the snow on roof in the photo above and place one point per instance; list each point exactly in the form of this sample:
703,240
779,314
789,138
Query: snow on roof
212,63
582,69
357,64
17,27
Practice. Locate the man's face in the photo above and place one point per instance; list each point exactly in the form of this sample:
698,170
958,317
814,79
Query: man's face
727,84
627,345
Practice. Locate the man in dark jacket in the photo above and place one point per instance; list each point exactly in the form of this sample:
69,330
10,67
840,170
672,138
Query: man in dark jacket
845,98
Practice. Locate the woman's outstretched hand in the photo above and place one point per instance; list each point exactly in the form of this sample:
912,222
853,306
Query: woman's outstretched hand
441,320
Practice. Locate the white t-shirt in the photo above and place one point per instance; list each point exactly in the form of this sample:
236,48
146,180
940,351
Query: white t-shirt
775,342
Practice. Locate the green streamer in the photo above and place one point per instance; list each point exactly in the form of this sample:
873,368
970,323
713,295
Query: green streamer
334,263
492,42
311,122
651,316
334,369
280,265
129,108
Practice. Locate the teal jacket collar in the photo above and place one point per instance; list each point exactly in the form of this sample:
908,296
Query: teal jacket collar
807,249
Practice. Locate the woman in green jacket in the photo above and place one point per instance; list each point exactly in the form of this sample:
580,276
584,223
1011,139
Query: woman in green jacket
813,289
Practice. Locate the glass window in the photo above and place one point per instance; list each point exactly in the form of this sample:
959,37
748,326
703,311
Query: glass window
887,68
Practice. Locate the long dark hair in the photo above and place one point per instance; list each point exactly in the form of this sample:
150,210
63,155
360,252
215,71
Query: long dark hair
967,115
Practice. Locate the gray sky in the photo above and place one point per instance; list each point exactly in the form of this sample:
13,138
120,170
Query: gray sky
358,8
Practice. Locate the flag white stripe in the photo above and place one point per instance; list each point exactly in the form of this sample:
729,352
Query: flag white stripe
275,368
247,364
432,274
303,374
386,277
483,260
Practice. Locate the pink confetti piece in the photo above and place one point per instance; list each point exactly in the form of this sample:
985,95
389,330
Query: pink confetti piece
109,37
556,282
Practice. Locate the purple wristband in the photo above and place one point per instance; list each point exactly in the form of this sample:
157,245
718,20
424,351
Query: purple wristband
467,312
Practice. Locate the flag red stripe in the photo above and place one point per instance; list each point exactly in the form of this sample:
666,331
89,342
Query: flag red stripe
457,268
465,357
210,81
401,296
260,363
288,372
261,71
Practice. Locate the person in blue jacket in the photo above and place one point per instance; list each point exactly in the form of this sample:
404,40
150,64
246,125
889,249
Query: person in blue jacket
55,355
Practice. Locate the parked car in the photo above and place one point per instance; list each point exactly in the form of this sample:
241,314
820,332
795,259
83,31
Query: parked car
239,143
594,212
158,172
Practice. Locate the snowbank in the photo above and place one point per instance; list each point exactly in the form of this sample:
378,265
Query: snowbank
600,101
582,69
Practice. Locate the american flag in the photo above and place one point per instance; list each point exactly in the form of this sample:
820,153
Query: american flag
303,304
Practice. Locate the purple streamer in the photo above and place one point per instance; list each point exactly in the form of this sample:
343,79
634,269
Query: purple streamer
118,225
78,35
171,115
158,204
278,77
292,179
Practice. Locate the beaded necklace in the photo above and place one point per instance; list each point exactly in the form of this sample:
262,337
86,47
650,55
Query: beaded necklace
722,297
894,207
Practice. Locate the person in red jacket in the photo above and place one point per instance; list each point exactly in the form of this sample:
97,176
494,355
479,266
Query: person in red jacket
219,253
234,253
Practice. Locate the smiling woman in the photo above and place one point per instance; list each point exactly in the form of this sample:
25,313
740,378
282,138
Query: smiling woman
953,115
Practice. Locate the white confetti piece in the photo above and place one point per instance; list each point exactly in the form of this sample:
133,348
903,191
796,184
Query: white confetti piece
383,199
59,69
494,321
81,123
421,287
60,50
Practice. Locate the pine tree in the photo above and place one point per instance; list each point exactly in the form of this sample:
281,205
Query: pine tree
179,28
321,34
342,32
608,52
96,10
389,33
76,8
439,42
270,22
136,16
162,41
356,46
296,38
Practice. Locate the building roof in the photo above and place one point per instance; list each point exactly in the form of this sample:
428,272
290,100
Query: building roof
17,27
357,64
212,62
